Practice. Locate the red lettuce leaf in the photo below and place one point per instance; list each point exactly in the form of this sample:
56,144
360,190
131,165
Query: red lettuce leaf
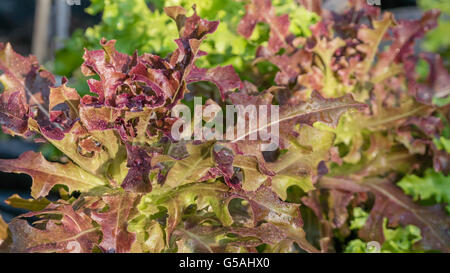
114,222
74,232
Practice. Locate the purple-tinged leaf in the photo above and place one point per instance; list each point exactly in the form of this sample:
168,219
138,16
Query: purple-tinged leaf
98,118
13,113
73,233
267,207
114,222
223,77
338,202
263,11
26,86
405,34
63,105
139,164
437,83
317,109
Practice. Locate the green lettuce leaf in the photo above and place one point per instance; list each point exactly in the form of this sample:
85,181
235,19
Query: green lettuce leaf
432,186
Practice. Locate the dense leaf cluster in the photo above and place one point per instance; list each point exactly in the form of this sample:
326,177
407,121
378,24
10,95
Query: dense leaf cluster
363,150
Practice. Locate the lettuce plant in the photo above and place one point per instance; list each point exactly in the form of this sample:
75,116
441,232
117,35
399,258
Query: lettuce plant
132,183
143,26
400,131
355,118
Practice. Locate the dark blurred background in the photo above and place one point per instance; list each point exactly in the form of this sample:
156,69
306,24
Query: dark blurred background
18,25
